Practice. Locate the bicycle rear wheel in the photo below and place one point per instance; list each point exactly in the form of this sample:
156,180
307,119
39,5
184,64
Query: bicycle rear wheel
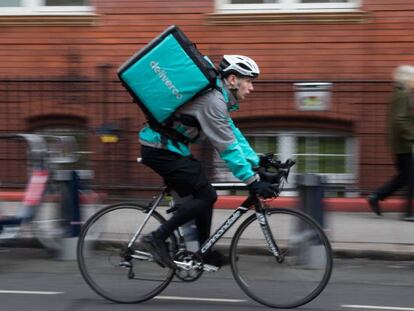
106,263
303,270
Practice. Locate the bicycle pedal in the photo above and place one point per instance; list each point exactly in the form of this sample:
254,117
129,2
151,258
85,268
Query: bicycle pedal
210,268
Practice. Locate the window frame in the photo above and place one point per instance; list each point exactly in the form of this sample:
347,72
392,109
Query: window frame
287,142
38,7
286,6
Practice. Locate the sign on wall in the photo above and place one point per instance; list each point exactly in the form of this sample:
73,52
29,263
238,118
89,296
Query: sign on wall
313,96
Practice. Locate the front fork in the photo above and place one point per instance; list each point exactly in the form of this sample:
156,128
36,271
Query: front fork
264,225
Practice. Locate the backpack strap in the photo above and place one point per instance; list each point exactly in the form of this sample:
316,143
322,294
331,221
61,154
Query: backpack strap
189,120
168,132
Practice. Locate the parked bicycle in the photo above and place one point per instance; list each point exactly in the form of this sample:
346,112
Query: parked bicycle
279,257
43,212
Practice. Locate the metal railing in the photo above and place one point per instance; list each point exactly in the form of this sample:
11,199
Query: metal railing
85,106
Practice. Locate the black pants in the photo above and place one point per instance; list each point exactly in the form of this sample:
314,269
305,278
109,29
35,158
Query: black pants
404,179
186,176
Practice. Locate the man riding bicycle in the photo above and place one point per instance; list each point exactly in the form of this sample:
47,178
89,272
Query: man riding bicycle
206,117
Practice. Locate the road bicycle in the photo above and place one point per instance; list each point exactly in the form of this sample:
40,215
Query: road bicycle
279,257
44,211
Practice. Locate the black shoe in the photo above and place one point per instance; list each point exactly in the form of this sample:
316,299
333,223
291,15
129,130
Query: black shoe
158,249
373,203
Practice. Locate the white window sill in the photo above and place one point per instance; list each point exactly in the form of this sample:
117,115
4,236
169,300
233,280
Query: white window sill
50,19
47,10
292,17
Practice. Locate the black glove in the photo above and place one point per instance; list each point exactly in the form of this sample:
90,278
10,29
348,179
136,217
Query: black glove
264,160
268,160
262,188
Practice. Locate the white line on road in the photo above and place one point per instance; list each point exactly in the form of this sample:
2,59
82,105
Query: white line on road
377,307
25,292
199,299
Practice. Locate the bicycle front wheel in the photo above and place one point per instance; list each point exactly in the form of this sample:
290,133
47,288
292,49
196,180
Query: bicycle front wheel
114,271
295,278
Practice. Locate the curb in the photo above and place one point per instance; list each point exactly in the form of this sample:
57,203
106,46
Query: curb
374,251
379,251
373,255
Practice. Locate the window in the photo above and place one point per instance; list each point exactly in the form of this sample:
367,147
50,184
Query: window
333,156
239,6
321,155
44,7
264,144
10,3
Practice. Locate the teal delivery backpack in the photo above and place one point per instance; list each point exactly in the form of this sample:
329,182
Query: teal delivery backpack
164,75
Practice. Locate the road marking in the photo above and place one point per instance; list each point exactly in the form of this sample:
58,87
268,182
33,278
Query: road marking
199,299
25,292
377,307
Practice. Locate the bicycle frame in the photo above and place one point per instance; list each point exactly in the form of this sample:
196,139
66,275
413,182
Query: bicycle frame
152,208
251,200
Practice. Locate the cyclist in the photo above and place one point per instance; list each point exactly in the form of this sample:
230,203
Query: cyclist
207,116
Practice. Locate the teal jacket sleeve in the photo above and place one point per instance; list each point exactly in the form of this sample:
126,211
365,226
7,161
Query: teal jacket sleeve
234,158
247,150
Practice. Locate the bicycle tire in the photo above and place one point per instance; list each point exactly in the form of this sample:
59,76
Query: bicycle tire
300,277
102,241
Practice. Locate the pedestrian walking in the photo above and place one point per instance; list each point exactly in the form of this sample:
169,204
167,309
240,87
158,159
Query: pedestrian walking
401,138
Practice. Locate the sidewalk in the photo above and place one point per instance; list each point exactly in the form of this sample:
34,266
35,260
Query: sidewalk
352,228
368,235
358,234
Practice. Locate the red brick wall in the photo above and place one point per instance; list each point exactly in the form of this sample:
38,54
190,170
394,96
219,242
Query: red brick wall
347,53
368,49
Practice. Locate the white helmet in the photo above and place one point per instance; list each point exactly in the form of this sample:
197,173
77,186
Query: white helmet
238,65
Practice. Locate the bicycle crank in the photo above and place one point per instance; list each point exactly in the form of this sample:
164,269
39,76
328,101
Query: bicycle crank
190,266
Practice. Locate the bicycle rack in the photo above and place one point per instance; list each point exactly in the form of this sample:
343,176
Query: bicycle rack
46,150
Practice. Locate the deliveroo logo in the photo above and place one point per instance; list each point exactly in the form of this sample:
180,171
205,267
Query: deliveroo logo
164,78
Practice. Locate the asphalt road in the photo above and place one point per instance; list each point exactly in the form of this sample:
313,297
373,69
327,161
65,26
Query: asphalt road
31,280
